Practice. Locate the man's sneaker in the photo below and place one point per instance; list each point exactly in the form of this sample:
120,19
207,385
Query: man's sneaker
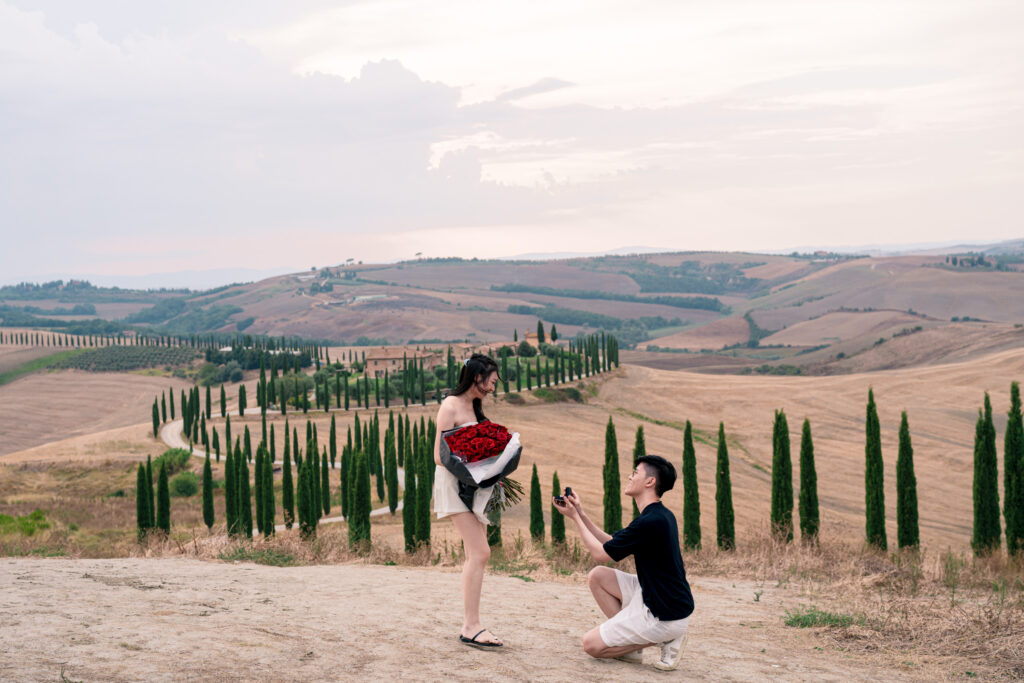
671,653
636,657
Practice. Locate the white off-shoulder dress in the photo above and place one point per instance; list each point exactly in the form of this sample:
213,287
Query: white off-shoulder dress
446,493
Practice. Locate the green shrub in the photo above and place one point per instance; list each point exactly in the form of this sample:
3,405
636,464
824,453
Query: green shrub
176,459
559,395
184,484
26,525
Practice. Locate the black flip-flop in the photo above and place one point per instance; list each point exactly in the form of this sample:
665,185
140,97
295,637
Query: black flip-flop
473,642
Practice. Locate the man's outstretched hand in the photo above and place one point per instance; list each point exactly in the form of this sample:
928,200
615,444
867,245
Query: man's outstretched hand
566,507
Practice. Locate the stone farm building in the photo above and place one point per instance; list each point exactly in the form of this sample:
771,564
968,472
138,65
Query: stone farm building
390,358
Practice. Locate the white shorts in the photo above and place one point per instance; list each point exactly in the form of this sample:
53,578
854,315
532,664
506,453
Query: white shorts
634,624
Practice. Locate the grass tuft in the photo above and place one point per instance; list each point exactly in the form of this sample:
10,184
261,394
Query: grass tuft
268,556
810,617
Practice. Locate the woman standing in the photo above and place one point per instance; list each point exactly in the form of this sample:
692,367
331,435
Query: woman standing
462,407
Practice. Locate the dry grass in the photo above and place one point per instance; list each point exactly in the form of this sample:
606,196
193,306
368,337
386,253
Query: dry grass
901,605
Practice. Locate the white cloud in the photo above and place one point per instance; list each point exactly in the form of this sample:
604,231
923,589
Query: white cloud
251,133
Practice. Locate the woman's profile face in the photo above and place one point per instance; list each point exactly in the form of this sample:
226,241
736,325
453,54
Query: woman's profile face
485,383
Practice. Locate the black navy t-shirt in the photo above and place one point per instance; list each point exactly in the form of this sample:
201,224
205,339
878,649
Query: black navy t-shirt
653,540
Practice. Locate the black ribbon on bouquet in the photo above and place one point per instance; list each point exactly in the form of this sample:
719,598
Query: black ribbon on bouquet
468,484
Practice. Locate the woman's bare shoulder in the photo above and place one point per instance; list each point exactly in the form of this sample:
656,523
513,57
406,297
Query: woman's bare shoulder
446,413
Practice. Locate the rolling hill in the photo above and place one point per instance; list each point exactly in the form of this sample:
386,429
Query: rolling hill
807,311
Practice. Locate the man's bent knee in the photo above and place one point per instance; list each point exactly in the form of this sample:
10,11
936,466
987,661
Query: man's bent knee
597,574
592,643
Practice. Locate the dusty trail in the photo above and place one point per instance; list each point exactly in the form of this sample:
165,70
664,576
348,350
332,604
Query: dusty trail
180,619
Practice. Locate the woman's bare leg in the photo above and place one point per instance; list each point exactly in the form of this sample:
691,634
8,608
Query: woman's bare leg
478,552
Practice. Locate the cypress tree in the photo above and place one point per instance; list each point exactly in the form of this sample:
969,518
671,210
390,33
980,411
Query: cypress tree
359,524
540,332
345,467
156,419
287,494
171,392
554,333
1013,474
557,520
726,518
325,484
163,501
151,494
874,494
639,451
391,465
223,402
163,406
241,400
244,498
808,487
782,479
273,440
423,495
229,493
906,490
314,473
269,512
207,493
358,430
333,442
307,522
691,496
227,433
258,488
141,502
612,481
409,505
247,443
986,485
536,508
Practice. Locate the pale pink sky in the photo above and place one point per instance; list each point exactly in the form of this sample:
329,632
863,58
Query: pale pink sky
144,139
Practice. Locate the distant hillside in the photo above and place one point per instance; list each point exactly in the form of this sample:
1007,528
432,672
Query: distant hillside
796,310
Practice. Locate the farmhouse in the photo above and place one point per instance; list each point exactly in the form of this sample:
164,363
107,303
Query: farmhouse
391,359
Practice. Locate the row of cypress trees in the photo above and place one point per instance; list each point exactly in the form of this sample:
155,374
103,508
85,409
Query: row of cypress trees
986,536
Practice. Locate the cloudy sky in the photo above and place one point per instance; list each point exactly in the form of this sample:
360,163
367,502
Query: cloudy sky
154,137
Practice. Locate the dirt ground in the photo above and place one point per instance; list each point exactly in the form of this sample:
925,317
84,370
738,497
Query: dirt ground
181,619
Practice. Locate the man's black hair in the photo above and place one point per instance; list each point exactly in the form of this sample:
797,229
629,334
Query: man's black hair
662,470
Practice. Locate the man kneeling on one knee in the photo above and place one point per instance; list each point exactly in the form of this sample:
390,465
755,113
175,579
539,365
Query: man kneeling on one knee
652,607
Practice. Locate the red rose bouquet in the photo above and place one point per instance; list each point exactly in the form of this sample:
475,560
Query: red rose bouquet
478,442
483,455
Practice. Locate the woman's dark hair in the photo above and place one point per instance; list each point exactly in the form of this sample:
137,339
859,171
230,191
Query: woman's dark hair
662,470
474,371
